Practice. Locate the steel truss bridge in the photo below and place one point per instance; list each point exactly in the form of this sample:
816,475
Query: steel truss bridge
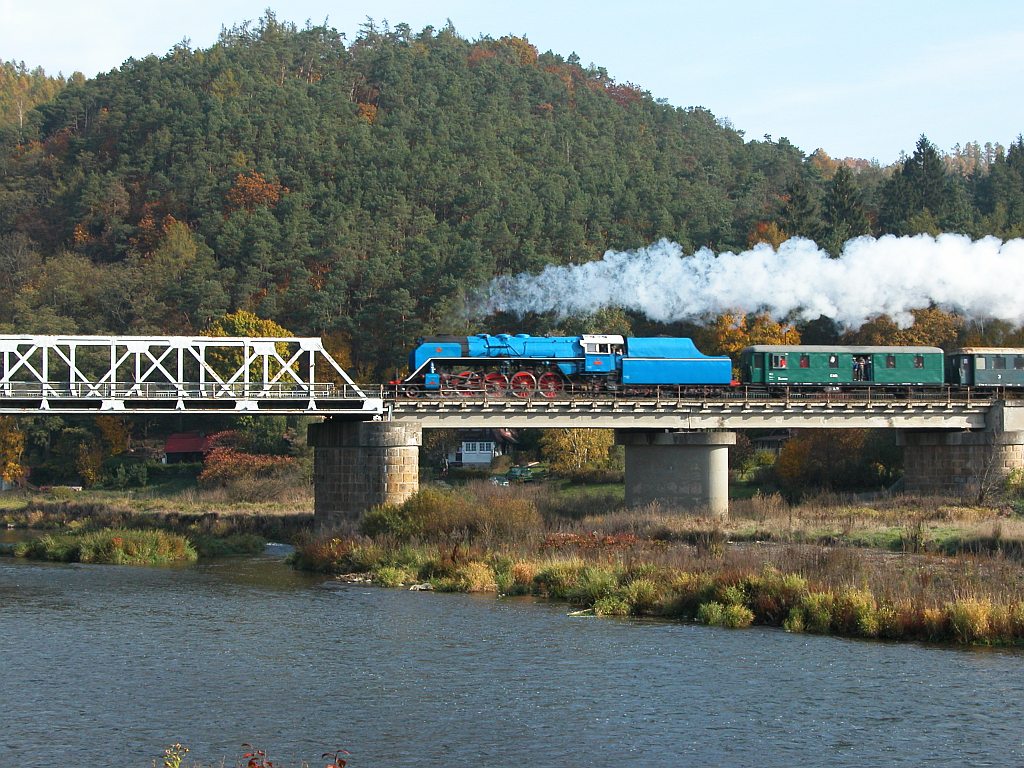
174,374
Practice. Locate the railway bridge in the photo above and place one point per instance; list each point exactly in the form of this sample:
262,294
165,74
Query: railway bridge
676,443
366,448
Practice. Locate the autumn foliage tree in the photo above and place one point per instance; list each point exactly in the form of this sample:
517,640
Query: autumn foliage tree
732,331
252,190
228,462
932,327
12,448
837,459
573,452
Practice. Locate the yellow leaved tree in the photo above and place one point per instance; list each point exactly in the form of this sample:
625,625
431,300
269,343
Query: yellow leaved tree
12,447
243,324
570,452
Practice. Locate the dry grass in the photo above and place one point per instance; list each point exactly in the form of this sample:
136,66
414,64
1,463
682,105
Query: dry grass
875,568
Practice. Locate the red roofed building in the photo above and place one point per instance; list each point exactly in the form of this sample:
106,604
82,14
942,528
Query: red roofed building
186,447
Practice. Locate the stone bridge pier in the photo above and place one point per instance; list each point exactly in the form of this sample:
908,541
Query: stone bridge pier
968,465
678,470
360,464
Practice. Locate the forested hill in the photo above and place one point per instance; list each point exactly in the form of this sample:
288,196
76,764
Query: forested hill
360,190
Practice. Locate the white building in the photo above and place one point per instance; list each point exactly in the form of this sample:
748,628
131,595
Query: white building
477,448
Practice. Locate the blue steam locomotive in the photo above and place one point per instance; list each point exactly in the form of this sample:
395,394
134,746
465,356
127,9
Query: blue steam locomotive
523,366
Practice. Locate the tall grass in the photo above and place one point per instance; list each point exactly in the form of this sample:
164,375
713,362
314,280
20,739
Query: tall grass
116,546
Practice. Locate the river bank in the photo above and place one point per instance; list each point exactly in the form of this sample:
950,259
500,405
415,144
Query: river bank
897,569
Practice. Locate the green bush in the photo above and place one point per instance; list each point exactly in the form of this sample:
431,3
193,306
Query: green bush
392,576
612,605
643,595
558,579
592,584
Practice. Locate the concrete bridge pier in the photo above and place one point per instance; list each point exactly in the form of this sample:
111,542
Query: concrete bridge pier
679,470
359,464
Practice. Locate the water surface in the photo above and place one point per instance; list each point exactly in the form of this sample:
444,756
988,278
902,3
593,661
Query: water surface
110,664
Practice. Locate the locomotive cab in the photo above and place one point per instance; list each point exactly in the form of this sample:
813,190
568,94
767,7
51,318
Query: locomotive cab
601,352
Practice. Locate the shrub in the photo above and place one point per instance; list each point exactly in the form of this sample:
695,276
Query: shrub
737,617
333,554
226,463
853,613
970,620
613,605
512,577
233,544
716,614
643,596
817,612
773,595
593,583
794,621
711,614
559,578
476,576
689,591
392,576
731,594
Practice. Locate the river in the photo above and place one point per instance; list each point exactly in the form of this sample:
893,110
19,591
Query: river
106,665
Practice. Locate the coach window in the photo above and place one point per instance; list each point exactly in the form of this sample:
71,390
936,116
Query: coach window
778,361
999,363
1018,363
890,361
805,361
919,361
833,361
979,363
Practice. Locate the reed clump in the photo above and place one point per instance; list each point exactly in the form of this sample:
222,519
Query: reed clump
114,546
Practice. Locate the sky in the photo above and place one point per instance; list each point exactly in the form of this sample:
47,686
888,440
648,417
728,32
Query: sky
856,78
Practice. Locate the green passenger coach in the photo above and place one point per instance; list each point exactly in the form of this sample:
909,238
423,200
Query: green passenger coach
986,367
821,365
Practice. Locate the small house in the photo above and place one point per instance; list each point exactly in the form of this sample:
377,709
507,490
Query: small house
186,448
477,448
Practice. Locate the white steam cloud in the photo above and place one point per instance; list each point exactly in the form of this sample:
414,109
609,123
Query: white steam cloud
889,275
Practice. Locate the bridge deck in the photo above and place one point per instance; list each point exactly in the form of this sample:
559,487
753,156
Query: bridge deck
667,409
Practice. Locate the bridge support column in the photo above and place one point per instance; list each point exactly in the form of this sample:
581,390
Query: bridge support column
359,464
967,465
680,470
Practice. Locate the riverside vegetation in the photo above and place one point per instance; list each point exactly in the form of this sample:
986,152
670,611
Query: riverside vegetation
149,529
897,569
